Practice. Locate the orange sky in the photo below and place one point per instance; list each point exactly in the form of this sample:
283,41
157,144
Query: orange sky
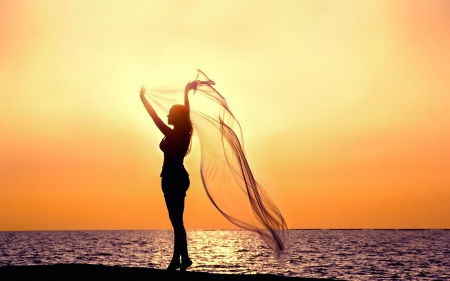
343,104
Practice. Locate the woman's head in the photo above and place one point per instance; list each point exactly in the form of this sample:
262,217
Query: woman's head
178,116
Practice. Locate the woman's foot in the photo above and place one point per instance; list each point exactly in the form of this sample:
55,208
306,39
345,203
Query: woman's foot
185,264
174,265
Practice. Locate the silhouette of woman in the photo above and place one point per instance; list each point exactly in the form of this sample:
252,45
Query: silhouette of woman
174,177
225,172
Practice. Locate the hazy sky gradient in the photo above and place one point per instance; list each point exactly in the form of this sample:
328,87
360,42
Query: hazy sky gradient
344,107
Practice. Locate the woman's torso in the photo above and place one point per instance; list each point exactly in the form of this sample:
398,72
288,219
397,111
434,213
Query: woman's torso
174,147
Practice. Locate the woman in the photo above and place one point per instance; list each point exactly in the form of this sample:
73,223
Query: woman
174,177
225,172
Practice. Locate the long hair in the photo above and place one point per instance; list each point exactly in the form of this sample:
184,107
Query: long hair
183,122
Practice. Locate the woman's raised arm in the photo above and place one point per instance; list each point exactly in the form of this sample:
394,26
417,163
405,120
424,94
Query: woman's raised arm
189,86
158,122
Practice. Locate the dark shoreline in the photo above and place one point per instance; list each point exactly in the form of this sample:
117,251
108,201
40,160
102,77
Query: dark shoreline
101,272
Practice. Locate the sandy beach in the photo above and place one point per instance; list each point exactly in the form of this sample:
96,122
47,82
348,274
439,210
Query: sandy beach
101,272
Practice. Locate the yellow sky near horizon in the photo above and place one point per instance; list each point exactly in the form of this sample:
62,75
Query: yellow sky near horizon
343,105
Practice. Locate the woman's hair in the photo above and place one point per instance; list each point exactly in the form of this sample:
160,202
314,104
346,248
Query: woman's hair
182,121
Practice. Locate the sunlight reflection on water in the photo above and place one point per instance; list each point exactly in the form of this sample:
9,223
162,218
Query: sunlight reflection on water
339,254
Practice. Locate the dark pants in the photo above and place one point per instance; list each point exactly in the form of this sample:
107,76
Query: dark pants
174,188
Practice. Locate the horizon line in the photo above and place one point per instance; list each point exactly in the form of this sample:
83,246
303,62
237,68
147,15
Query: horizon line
226,229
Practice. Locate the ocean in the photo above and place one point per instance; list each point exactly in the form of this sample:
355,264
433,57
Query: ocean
335,254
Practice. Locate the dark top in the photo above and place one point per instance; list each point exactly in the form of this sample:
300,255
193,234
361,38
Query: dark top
174,147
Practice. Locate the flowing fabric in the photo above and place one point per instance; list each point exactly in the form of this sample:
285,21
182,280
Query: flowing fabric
225,172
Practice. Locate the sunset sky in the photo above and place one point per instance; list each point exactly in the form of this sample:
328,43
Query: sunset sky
344,105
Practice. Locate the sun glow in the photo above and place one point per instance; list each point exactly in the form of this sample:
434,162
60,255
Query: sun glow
344,109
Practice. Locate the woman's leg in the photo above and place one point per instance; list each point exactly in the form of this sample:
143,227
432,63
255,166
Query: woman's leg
175,206
174,193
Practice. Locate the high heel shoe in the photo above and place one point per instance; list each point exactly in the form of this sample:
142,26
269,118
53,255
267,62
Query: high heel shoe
185,265
173,266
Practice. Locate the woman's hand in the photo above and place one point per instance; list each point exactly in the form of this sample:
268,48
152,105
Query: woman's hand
191,86
142,91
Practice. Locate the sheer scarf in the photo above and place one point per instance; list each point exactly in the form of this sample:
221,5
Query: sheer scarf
225,172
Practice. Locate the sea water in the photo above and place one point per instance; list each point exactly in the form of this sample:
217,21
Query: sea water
336,254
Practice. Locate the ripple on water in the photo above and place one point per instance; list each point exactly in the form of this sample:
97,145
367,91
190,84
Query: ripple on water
347,255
